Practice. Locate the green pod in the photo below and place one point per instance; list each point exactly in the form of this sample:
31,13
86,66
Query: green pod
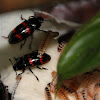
82,53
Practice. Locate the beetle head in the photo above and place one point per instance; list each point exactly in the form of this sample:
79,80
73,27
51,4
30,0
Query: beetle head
19,64
40,19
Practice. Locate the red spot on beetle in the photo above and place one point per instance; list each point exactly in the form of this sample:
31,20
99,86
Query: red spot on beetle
24,23
18,36
30,61
41,60
28,30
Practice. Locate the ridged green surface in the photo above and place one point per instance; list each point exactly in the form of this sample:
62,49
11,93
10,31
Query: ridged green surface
82,53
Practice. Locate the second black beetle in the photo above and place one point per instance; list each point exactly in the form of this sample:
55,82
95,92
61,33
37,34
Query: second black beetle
31,60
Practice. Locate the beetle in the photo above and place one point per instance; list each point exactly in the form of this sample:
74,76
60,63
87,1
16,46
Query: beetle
4,94
30,60
24,30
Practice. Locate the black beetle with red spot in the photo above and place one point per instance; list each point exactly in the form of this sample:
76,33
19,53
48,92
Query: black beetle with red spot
31,60
24,30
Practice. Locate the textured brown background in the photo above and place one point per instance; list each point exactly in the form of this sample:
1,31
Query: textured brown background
78,11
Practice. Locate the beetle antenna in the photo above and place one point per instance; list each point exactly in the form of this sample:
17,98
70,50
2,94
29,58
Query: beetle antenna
11,62
12,65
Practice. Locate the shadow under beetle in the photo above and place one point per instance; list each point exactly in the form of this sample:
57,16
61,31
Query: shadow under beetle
24,30
30,60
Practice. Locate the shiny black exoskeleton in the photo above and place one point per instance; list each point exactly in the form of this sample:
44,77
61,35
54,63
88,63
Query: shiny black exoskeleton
30,60
25,29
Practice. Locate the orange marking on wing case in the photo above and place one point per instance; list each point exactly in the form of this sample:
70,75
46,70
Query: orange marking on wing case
24,23
18,36
41,61
28,30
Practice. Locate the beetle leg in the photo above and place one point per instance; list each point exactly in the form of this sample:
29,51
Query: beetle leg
16,58
22,44
33,73
22,17
5,37
22,71
42,30
11,62
31,42
41,68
